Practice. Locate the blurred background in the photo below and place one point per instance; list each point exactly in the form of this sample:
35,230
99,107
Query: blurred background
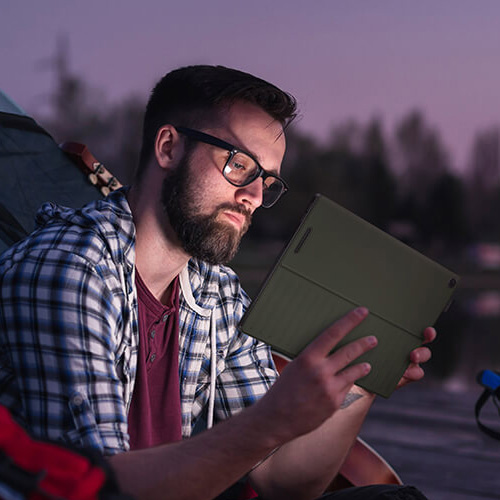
399,118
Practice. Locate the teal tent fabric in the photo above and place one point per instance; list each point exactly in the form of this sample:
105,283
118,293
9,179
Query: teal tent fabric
33,170
9,106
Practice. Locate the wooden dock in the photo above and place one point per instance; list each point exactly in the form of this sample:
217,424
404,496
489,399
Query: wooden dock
429,435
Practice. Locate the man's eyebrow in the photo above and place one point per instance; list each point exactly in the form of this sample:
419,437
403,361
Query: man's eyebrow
256,157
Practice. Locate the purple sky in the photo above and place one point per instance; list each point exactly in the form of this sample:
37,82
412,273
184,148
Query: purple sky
340,58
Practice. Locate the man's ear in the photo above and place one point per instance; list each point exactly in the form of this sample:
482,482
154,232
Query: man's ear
167,146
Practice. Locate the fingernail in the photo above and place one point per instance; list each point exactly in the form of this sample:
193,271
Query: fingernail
367,367
362,311
372,340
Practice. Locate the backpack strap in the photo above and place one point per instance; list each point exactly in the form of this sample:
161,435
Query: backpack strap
491,382
96,172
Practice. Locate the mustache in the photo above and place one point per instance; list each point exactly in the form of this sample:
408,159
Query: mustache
234,207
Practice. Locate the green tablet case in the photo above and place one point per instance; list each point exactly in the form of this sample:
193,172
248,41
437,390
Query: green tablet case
337,261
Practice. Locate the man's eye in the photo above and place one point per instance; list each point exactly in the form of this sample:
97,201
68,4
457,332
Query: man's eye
238,166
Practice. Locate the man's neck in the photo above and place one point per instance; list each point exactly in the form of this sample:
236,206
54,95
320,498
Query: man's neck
159,256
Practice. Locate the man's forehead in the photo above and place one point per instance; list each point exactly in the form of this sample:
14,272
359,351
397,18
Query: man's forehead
249,127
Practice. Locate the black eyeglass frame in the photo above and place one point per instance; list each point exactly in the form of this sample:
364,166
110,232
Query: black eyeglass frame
215,141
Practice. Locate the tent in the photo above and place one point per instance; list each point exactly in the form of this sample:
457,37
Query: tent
33,170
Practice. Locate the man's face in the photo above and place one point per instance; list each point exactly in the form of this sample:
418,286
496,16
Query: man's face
207,213
201,235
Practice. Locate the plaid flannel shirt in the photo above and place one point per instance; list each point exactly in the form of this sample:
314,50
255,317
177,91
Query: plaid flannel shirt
69,330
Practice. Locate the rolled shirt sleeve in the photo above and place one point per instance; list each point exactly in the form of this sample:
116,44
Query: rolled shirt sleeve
60,350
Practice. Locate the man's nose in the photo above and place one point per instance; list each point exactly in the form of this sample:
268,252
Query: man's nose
251,195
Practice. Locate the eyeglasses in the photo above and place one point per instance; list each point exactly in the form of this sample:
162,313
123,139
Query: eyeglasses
241,168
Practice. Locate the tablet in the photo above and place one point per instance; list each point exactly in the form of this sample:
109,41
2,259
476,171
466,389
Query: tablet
337,261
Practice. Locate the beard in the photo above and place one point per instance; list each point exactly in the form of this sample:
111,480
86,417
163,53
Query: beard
202,236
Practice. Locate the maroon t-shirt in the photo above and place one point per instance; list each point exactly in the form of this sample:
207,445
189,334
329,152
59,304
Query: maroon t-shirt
155,412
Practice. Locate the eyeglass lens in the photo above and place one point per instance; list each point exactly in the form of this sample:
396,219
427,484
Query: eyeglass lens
241,170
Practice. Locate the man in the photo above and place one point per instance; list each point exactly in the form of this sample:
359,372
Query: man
106,312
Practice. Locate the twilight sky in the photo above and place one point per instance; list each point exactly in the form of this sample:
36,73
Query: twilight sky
340,58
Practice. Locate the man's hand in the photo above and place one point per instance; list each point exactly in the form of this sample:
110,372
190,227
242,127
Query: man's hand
314,385
300,414
418,356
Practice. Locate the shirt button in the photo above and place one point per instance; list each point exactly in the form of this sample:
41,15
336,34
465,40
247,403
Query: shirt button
77,400
165,317
153,356
152,334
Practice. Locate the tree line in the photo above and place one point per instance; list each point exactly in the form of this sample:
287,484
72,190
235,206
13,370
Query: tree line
402,182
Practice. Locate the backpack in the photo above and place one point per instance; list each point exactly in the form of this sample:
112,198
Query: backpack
490,380
40,470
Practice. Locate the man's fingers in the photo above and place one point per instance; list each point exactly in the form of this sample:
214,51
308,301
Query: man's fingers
324,343
350,352
423,354
412,374
429,335
420,355
351,374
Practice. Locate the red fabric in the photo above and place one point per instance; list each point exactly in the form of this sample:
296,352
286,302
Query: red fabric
248,492
155,413
64,473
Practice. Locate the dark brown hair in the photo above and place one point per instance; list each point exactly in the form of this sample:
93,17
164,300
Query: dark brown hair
195,95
